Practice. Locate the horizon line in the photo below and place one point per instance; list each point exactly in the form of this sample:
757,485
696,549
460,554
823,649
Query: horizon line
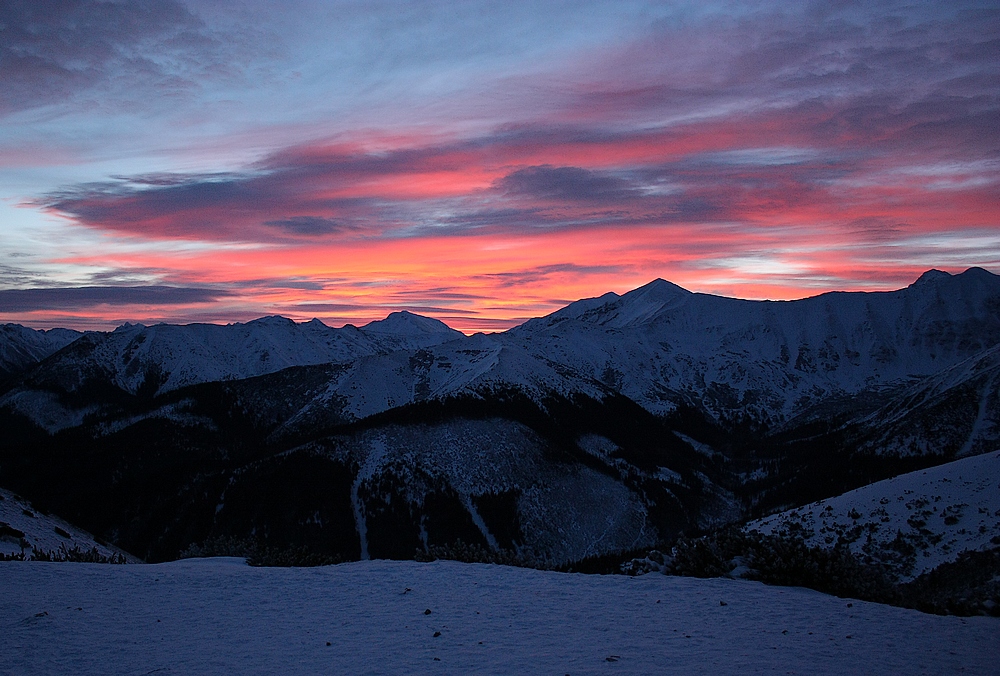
437,314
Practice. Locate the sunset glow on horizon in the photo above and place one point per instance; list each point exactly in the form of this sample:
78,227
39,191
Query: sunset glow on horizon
483,163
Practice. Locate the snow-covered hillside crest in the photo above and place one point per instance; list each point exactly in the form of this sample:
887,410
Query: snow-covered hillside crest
23,528
913,523
476,365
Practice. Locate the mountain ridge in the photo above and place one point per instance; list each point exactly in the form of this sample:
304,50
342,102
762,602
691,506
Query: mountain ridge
683,410
659,344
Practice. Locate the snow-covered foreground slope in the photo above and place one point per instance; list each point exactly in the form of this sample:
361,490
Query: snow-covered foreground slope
219,616
936,513
23,528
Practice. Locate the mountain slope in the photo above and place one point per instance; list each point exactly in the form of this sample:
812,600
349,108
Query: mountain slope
164,357
24,529
913,522
557,481
21,347
661,345
850,441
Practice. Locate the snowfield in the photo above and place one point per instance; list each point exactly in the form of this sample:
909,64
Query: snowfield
221,616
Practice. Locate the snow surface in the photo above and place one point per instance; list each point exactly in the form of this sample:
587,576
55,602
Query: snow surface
40,530
219,616
942,511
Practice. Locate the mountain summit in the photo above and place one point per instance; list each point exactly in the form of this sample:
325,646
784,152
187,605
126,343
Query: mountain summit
405,323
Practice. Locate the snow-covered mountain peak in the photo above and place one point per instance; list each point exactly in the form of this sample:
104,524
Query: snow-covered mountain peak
658,344
778,357
129,327
973,280
931,276
658,288
977,273
405,323
642,304
165,357
637,306
574,310
273,320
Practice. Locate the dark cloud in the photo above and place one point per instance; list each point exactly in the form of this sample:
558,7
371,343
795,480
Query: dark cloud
571,184
483,324
861,100
70,298
721,170
13,275
774,55
486,220
543,273
257,205
877,229
283,283
438,294
133,276
306,308
362,310
307,225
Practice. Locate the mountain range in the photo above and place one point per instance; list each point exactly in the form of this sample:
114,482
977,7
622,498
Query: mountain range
607,426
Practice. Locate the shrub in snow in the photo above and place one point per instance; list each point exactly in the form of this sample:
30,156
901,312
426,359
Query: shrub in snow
774,559
473,553
968,586
257,554
74,555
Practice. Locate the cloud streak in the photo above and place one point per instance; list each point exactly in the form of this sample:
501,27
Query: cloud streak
72,298
786,161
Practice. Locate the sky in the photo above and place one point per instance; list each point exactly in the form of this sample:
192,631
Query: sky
484,162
